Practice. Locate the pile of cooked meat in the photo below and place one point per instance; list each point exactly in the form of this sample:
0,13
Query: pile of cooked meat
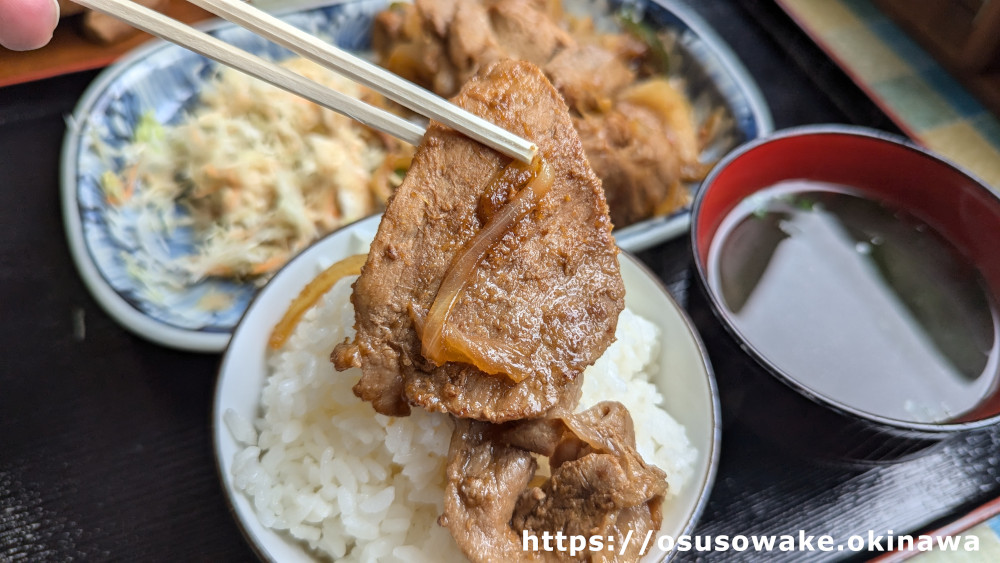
599,486
638,131
489,288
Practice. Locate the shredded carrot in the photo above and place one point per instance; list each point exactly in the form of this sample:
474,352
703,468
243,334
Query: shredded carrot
269,265
118,193
310,294
256,268
133,174
220,271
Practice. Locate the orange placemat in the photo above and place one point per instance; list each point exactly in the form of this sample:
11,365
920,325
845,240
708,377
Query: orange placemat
70,52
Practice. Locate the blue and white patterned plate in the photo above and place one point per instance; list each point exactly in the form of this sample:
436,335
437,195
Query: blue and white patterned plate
110,246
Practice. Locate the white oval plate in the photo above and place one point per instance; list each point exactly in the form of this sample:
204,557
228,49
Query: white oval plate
685,380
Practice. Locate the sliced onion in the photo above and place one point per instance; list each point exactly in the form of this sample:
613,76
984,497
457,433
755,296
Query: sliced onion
439,345
673,107
350,266
488,354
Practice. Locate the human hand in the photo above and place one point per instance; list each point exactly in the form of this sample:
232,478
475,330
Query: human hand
27,24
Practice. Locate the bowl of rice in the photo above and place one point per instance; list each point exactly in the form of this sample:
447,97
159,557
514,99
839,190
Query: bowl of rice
313,473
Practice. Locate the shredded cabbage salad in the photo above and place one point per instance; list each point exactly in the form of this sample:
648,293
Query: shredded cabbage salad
254,172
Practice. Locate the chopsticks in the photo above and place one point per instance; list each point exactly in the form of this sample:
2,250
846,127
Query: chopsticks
388,84
393,87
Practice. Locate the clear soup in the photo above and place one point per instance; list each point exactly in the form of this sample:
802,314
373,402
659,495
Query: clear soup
860,302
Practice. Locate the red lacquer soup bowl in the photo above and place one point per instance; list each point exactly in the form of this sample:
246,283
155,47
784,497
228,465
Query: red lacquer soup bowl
847,285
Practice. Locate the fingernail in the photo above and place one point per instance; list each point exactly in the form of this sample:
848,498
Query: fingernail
56,12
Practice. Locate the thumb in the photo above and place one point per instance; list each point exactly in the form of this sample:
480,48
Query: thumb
27,24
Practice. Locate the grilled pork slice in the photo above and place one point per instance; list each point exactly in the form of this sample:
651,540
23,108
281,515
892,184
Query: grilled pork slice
599,487
485,478
490,286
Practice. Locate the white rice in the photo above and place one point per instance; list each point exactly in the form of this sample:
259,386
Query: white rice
358,486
